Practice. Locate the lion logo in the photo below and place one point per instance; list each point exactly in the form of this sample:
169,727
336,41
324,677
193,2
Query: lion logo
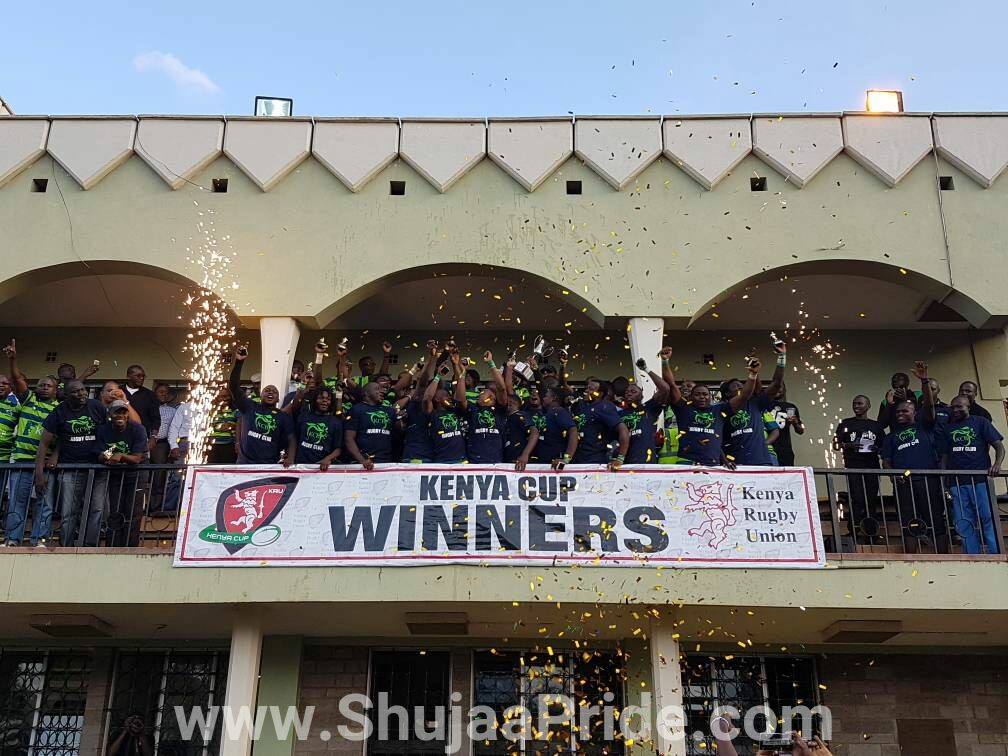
487,418
741,419
317,433
449,423
704,419
265,423
631,420
81,425
908,434
964,435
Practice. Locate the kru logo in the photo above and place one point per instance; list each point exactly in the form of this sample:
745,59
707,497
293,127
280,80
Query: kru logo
449,423
964,435
81,425
909,434
631,420
741,419
317,432
487,418
265,423
245,511
704,419
378,418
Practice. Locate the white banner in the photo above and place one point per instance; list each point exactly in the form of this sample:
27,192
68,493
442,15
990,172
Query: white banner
402,515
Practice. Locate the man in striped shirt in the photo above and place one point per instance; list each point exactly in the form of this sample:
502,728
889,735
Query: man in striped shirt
8,418
34,408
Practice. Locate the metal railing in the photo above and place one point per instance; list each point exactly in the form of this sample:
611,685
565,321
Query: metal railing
912,511
866,511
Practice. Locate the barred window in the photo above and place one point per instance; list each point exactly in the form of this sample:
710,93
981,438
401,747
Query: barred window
147,688
744,682
514,680
42,698
419,683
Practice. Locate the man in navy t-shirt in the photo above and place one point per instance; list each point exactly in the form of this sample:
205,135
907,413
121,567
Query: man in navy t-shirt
558,439
641,419
320,432
446,414
367,435
598,421
487,420
265,431
120,445
746,442
521,434
965,443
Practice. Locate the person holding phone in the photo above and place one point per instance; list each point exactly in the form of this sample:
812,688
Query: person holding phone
900,392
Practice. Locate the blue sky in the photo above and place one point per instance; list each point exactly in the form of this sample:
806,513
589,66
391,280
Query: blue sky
515,58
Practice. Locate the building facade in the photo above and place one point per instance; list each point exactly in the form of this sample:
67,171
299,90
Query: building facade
868,241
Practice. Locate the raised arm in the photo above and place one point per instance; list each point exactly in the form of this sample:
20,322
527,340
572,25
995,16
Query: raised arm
777,381
92,369
662,388
920,370
500,387
241,402
736,402
386,362
460,394
428,397
18,381
564,357
675,395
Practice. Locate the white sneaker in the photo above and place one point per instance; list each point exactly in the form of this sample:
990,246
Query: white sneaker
41,545
11,543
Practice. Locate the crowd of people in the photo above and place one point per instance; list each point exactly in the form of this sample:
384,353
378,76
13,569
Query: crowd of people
446,411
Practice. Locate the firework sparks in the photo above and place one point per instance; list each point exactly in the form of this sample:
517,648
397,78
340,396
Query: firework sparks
211,330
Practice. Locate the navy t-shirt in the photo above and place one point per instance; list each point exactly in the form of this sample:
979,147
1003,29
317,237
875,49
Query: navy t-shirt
746,437
76,429
373,425
910,447
485,439
596,423
318,437
557,422
447,434
130,440
641,422
967,442
519,424
416,438
701,431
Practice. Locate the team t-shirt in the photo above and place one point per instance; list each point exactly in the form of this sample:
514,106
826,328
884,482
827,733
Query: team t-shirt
519,424
556,423
132,439
447,434
701,431
746,435
373,425
485,437
8,425
264,432
32,412
318,437
967,442
75,429
868,434
911,447
416,438
641,422
596,423
781,412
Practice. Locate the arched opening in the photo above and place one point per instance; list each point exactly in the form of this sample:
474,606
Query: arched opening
112,311
841,294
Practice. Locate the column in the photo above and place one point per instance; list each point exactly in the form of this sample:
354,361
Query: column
668,691
243,679
279,338
279,681
645,336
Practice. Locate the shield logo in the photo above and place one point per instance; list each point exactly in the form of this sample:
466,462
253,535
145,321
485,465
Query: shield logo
245,508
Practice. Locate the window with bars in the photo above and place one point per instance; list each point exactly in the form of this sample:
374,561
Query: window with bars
42,699
514,680
744,682
419,682
147,685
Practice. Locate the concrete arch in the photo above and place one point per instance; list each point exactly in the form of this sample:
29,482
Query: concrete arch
974,312
443,270
31,279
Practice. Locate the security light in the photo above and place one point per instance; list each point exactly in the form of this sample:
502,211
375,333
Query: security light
884,101
274,107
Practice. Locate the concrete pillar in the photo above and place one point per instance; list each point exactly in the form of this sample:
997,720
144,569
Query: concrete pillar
668,690
242,680
279,338
279,682
645,336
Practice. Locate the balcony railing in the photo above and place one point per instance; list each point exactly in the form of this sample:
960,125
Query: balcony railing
862,511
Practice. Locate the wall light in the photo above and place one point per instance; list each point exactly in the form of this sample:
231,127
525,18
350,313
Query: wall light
274,107
884,101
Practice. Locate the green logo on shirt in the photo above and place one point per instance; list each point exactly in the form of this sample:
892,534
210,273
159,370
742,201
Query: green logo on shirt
631,420
265,422
909,434
449,423
740,419
704,419
81,425
580,420
964,435
540,422
378,419
487,418
316,432
118,447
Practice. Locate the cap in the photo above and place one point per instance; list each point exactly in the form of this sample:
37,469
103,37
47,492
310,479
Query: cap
256,378
118,404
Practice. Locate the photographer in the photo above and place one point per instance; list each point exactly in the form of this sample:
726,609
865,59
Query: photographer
133,740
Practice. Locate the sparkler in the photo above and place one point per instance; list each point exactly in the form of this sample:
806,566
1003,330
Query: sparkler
211,330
